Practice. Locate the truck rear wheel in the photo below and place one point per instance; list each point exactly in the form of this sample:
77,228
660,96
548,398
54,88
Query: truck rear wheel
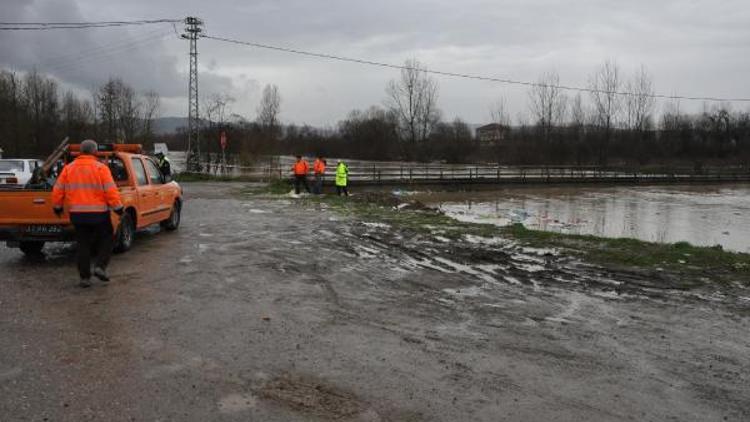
125,233
31,247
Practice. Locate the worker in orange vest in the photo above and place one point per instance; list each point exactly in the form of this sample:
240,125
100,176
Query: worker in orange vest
300,170
86,187
319,169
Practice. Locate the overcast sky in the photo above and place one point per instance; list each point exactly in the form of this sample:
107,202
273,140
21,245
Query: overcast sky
691,47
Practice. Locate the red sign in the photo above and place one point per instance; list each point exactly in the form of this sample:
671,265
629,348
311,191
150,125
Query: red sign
223,140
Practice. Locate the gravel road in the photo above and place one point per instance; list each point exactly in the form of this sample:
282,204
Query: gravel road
279,310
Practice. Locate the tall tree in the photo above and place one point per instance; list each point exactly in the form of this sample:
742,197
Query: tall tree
548,103
639,102
499,112
129,113
76,116
413,98
151,104
605,86
107,99
269,110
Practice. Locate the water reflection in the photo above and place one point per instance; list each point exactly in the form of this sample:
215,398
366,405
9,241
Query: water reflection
701,215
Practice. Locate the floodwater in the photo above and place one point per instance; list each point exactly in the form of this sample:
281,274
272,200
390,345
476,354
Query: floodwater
704,215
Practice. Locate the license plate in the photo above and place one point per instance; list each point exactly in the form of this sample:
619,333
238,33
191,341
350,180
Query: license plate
44,229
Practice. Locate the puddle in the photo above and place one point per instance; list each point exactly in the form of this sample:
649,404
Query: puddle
702,215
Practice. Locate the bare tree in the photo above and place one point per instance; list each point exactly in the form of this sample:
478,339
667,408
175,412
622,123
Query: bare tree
577,112
605,86
548,103
639,102
499,112
215,108
128,113
151,103
106,99
41,99
269,109
76,115
413,98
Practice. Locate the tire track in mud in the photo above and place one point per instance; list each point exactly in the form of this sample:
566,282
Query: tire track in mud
487,260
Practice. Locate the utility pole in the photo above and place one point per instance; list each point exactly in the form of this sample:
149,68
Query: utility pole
193,30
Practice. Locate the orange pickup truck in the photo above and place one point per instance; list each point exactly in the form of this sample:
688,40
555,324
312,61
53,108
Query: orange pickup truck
27,220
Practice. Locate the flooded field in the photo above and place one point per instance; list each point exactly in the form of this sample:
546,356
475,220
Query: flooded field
702,215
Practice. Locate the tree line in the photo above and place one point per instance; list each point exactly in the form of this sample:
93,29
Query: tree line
615,121
36,113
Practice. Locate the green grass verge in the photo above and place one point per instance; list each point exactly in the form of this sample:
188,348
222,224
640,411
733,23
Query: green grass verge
681,257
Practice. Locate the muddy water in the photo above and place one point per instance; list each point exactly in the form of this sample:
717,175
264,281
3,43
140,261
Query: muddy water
702,215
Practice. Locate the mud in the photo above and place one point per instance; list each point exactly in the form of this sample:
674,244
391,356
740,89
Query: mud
282,310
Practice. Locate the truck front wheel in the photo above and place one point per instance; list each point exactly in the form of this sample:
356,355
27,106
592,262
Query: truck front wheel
31,247
125,233
174,218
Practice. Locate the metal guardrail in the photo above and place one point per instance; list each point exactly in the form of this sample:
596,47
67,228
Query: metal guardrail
463,174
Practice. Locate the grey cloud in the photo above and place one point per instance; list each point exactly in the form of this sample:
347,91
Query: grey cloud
692,47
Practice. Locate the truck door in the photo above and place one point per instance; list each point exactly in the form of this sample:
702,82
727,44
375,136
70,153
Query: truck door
145,192
162,203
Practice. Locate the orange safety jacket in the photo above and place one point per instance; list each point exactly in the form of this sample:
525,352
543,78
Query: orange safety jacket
86,186
301,168
319,167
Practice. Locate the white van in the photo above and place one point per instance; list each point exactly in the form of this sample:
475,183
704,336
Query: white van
17,171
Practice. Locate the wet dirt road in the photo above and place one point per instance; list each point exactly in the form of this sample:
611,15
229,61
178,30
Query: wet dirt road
278,310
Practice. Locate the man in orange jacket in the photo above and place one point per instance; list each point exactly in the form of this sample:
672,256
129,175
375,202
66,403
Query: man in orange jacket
319,169
86,187
300,170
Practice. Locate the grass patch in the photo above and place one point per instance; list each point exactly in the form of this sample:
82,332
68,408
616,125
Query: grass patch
681,257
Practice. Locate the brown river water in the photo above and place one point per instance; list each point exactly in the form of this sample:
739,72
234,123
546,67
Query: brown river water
704,215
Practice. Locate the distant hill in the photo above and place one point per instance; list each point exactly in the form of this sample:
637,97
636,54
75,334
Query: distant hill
167,125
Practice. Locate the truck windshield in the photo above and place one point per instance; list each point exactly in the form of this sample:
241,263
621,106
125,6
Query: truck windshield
11,165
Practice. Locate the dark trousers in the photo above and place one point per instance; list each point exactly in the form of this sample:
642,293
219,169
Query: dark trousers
318,185
300,180
93,234
342,189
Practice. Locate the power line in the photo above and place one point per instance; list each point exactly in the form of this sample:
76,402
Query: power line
97,49
106,54
464,75
131,22
44,26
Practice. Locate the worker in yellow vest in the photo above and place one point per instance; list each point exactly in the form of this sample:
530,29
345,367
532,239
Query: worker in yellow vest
342,178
